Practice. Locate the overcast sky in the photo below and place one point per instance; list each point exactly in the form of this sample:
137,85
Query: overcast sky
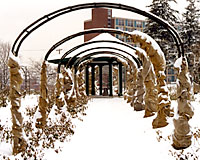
15,15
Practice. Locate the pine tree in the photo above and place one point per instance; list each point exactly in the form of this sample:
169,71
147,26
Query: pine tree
162,9
190,31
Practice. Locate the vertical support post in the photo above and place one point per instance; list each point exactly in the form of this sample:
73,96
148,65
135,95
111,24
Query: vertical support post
100,80
110,79
125,71
120,79
93,79
87,80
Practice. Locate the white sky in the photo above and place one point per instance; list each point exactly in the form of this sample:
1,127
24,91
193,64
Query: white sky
15,15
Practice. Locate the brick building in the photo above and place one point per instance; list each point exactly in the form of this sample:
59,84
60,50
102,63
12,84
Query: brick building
102,18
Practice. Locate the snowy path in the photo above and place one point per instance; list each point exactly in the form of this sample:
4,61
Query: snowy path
113,131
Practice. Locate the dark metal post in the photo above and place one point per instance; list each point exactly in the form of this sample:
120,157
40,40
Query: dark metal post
120,79
100,80
125,78
110,79
87,80
93,79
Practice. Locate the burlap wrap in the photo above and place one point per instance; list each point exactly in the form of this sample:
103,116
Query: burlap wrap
59,85
131,82
74,91
164,108
138,99
19,143
43,104
151,94
182,135
81,89
196,88
159,65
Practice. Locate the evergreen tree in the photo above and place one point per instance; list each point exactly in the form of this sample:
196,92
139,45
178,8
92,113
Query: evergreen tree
162,9
190,31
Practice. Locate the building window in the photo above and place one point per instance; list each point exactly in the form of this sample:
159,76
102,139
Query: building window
171,79
121,28
121,22
143,24
138,24
121,37
117,21
127,39
170,71
109,12
109,22
129,23
135,24
129,29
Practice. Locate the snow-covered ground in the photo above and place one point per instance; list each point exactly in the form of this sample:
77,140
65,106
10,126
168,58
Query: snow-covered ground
112,130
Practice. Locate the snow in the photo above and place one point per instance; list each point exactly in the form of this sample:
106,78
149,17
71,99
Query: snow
149,40
69,94
178,63
60,75
165,88
111,130
100,37
14,57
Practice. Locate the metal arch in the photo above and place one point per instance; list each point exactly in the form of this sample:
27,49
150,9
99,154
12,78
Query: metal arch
117,49
87,57
70,60
89,31
99,52
46,18
92,42
78,61
100,41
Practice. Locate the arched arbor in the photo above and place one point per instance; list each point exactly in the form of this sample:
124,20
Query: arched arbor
46,18
16,80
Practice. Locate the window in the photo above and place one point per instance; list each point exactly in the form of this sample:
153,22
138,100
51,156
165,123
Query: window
121,22
121,28
143,24
171,79
117,22
109,22
129,29
138,24
121,37
129,23
109,12
170,71
127,39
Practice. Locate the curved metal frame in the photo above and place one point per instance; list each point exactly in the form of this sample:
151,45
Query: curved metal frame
89,31
113,48
78,61
92,42
46,18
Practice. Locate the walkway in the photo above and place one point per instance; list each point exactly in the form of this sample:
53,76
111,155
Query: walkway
113,131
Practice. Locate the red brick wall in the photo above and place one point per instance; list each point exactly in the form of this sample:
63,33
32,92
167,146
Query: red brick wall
99,20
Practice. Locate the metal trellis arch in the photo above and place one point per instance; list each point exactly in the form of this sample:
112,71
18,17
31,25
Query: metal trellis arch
46,18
